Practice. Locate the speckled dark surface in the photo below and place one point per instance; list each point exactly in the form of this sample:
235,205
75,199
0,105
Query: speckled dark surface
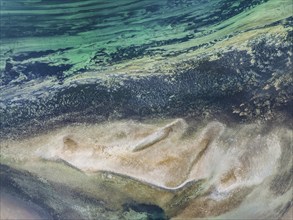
69,62
206,88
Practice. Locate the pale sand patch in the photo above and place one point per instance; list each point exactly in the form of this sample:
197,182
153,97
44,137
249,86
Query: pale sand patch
231,170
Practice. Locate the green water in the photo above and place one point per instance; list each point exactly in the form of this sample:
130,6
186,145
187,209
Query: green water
84,66
89,35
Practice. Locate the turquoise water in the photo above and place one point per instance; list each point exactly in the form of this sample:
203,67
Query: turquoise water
73,37
202,88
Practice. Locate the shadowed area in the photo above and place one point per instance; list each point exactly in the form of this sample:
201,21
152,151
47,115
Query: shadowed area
150,109
14,208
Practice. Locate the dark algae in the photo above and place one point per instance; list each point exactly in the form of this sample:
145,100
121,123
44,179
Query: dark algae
146,109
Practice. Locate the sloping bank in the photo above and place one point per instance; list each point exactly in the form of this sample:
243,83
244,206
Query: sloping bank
65,106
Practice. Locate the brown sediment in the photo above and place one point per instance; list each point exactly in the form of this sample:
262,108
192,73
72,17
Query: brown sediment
228,178
206,173
157,136
207,207
69,144
152,139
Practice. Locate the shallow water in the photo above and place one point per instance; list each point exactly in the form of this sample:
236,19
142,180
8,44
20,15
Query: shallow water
241,170
15,208
146,109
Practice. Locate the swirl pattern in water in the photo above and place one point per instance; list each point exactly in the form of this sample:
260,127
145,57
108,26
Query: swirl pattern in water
170,109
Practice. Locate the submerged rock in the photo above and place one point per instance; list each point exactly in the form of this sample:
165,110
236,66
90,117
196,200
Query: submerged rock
214,171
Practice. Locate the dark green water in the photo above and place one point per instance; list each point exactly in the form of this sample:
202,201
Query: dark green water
70,37
97,61
123,59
